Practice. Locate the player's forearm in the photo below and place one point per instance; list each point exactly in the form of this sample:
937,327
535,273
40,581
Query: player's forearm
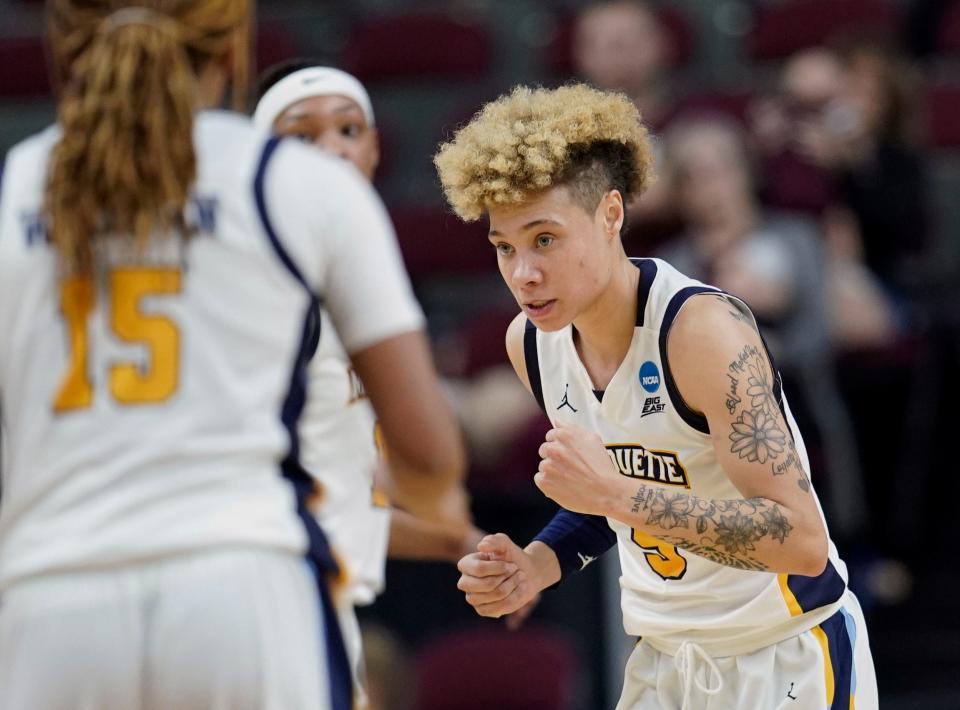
546,566
413,538
752,534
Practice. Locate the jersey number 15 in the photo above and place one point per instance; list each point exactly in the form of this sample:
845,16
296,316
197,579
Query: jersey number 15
129,383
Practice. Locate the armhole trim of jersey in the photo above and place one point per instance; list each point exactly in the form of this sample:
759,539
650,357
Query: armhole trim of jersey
695,420
260,200
533,363
648,272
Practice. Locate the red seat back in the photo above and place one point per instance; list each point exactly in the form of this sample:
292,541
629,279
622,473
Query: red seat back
782,28
483,669
417,45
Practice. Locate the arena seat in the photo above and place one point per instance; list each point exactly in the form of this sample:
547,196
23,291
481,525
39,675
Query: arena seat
780,29
274,44
948,36
483,336
23,67
487,668
435,242
942,112
417,45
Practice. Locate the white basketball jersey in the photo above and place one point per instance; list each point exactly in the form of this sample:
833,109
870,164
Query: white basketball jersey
147,412
339,449
669,595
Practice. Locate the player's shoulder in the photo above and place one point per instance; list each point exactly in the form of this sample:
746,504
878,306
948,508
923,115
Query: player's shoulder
516,332
709,328
298,160
32,152
24,169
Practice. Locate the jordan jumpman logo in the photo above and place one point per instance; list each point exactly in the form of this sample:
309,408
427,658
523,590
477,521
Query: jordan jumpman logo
566,402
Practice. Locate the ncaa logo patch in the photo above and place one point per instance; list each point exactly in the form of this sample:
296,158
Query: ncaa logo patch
649,376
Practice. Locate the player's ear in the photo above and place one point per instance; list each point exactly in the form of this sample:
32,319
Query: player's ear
611,211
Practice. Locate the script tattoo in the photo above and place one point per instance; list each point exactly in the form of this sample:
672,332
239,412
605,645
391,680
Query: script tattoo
759,433
641,499
728,530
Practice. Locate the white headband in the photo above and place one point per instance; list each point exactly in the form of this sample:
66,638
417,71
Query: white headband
127,16
307,83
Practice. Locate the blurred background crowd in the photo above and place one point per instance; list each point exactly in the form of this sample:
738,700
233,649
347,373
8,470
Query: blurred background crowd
808,160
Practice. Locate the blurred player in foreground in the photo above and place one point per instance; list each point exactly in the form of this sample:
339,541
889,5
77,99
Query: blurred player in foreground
672,438
330,109
160,265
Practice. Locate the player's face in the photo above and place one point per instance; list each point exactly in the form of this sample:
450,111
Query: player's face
554,256
335,124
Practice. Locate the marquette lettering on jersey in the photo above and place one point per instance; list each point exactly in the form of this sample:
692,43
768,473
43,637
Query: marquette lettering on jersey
657,466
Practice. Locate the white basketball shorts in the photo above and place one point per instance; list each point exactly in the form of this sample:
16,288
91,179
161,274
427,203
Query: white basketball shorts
827,667
237,629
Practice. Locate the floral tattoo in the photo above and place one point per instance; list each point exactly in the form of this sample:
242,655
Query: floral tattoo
759,433
728,530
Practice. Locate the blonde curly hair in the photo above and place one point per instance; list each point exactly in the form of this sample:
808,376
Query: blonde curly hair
532,139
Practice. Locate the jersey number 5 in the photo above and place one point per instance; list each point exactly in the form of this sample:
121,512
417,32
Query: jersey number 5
663,559
129,383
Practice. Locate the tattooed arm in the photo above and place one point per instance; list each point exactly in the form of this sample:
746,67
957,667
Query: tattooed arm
720,368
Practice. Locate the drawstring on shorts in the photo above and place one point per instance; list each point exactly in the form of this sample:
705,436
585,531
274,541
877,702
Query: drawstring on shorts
688,659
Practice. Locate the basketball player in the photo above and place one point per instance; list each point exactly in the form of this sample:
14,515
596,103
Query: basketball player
668,422
330,109
159,267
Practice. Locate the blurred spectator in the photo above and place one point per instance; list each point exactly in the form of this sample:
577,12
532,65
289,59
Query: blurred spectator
807,97
880,170
838,137
772,260
775,263
801,132
621,45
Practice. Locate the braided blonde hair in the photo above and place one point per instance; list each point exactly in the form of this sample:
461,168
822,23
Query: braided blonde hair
127,79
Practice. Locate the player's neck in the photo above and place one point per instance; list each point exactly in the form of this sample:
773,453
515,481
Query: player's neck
604,331
212,81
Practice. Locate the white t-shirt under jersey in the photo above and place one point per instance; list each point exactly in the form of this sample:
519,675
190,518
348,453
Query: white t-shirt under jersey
669,595
155,423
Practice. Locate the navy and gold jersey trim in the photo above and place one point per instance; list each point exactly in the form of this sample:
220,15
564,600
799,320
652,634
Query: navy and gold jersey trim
802,594
319,553
648,272
533,363
260,199
694,419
